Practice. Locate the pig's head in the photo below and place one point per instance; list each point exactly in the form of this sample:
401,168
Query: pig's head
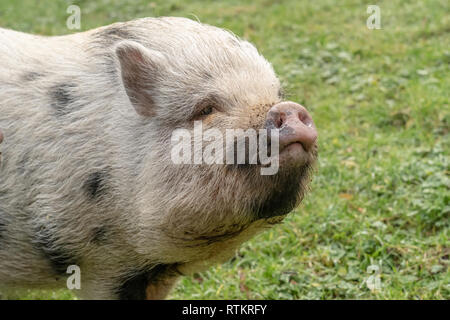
176,72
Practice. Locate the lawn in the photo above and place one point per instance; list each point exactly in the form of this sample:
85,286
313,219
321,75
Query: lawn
379,204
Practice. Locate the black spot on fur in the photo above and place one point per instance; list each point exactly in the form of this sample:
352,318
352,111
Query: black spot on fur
31,76
99,235
95,184
59,257
113,34
135,285
119,32
61,97
2,226
2,229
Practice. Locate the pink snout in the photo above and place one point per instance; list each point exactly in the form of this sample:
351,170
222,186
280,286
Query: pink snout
294,123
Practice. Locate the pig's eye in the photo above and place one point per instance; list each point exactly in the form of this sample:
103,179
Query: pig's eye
206,111
205,107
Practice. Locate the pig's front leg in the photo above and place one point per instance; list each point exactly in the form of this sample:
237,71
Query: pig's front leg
136,288
159,290
153,284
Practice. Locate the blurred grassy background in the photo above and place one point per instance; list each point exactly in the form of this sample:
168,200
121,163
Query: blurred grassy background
380,99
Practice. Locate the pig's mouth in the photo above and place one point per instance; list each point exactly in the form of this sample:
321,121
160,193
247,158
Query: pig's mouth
294,155
296,149
291,155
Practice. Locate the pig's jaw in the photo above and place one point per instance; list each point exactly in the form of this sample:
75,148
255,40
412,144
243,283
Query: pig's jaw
282,195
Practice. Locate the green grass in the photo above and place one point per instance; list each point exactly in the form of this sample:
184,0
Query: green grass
380,100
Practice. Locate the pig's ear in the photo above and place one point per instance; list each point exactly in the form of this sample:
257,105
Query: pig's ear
140,68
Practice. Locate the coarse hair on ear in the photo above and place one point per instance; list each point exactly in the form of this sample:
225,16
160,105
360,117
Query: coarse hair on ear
140,69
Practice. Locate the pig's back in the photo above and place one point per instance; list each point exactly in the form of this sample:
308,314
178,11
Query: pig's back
55,113
59,155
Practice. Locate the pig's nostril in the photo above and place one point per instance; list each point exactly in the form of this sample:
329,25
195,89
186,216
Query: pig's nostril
305,118
307,121
274,120
282,120
279,122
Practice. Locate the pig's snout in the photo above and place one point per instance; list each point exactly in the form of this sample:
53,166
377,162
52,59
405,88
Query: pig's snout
294,123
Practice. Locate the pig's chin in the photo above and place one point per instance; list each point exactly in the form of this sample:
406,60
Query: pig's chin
276,195
282,192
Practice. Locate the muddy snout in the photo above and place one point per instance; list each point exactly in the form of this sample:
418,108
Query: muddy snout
297,132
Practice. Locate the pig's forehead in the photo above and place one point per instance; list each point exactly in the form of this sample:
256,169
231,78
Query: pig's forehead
231,66
199,44
249,87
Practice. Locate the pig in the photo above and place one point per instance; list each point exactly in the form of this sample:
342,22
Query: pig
87,179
